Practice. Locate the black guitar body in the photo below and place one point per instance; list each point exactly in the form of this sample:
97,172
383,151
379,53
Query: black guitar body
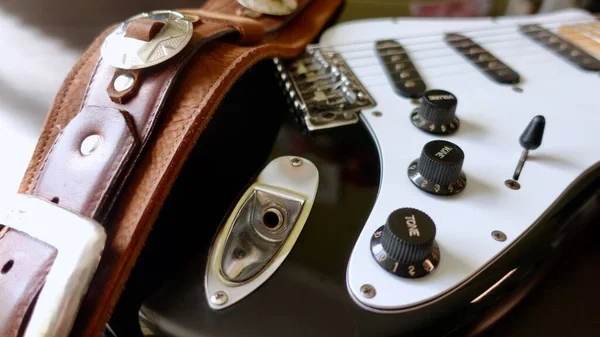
307,295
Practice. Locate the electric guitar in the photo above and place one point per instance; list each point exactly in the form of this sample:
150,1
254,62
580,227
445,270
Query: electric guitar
416,177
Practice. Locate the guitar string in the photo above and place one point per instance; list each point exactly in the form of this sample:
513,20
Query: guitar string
467,65
445,45
468,68
498,66
446,39
463,32
411,37
452,52
473,69
387,82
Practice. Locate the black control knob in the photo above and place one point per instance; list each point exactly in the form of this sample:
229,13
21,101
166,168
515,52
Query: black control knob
439,169
405,245
437,113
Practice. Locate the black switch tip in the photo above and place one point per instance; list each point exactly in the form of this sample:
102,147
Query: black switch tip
531,138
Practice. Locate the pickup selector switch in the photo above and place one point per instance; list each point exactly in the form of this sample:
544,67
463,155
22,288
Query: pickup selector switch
405,246
437,113
439,169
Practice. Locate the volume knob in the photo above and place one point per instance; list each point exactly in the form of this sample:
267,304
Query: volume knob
405,245
439,169
437,112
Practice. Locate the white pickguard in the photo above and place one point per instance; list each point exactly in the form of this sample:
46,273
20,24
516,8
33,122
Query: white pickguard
492,116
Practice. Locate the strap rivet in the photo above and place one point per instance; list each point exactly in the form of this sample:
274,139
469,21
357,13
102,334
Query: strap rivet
90,144
123,82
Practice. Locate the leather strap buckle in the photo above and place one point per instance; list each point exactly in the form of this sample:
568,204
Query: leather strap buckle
79,241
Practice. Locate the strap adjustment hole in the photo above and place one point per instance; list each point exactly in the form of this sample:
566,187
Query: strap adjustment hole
7,267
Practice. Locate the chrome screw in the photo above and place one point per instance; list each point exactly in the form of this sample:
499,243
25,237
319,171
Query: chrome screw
499,236
123,82
367,291
219,298
296,162
512,184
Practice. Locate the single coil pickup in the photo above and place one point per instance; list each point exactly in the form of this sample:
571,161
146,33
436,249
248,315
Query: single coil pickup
481,58
400,70
560,46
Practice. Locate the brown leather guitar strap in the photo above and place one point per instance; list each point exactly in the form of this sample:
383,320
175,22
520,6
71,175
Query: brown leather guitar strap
119,131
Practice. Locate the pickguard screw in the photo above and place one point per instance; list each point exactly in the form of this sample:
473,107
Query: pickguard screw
377,113
517,89
219,298
296,162
367,291
512,184
499,236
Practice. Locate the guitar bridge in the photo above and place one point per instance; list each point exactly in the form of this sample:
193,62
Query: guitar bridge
323,89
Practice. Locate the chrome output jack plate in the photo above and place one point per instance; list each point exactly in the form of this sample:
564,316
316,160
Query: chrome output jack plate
260,231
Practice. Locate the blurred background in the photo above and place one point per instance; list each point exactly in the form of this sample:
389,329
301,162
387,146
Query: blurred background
41,39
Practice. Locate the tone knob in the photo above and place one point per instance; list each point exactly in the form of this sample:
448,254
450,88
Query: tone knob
405,245
439,169
437,113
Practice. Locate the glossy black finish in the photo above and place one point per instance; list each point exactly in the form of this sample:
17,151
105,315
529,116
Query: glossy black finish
482,59
307,296
401,72
532,136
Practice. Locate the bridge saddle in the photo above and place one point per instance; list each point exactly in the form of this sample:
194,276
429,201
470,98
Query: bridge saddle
323,89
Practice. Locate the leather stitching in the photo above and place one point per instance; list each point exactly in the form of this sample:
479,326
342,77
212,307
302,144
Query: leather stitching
55,113
91,83
43,166
100,191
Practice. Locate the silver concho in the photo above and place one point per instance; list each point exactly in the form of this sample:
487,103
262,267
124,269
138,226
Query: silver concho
271,7
129,53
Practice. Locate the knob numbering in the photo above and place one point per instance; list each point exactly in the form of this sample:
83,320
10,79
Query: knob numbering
439,168
405,245
437,113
